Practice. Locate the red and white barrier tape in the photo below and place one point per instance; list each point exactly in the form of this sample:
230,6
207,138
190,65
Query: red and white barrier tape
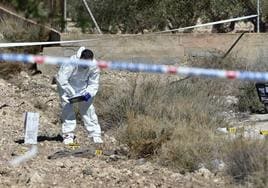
139,67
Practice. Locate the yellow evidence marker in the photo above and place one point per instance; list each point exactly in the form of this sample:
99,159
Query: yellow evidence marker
74,146
98,152
265,133
232,129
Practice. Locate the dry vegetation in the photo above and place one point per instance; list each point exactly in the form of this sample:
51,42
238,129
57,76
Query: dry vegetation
15,30
171,121
247,161
174,122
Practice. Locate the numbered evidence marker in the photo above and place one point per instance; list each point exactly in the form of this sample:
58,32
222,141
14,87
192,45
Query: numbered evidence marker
31,124
98,152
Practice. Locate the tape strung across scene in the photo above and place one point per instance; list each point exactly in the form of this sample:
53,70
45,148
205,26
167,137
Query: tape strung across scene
27,156
21,44
209,24
139,67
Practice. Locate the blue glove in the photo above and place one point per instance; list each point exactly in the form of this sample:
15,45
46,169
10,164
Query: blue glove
86,96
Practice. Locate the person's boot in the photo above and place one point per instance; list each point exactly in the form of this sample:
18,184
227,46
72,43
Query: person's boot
68,138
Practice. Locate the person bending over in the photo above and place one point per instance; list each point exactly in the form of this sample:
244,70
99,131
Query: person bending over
78,84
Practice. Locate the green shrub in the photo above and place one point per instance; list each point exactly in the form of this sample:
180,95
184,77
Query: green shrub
248,99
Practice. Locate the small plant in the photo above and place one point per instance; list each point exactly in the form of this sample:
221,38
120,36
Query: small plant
144,135
248,99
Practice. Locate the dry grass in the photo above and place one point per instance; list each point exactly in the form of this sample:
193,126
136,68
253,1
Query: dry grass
159,117
247,161
246,93
144,135
248,99
189,148
15,30
174,122
159,97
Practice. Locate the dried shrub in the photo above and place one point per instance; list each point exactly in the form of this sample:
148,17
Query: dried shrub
189,147
155,113
247,161
144,135
15,30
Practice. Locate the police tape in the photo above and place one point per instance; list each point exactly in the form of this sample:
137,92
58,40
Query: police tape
139,67
209,24
22,44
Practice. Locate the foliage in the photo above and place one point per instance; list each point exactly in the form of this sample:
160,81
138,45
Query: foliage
248,99
265,11
32,8
139,16
42,11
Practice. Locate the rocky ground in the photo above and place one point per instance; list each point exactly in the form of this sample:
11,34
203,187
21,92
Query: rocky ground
58,166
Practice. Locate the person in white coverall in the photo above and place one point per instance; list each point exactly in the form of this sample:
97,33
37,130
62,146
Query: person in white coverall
76,80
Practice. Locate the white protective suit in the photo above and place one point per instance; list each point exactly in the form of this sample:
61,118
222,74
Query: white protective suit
76,80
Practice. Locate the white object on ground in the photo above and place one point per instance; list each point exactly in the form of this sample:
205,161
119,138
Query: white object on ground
222,130
27,156
31,124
